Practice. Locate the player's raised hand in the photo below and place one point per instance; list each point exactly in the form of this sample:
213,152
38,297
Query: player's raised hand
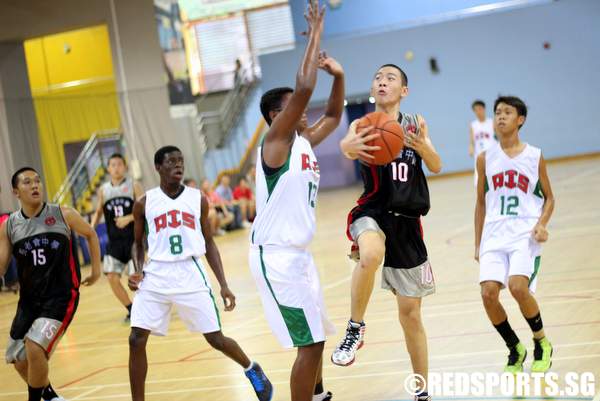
330,65
228,298
417,142
355,143
314,17
134,281
540,234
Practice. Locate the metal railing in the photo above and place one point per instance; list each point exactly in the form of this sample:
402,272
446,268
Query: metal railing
214,126
90,165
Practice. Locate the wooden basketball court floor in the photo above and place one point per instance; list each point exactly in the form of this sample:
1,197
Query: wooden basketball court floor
91,360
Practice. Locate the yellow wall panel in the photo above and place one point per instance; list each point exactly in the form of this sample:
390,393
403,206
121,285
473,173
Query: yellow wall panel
74,91
36,65
81,55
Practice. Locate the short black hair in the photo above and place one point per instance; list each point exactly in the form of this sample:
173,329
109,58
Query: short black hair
117,156
15,177
478,102
402,73
271,101
515,102
159,156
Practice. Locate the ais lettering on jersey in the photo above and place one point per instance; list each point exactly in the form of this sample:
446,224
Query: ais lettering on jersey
511,179
308,165
175,219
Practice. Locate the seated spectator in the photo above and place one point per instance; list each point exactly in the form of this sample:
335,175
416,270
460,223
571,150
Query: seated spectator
226,193
190,182
218,215
245,198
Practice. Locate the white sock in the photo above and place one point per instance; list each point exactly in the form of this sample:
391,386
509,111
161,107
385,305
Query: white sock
249,367
319,397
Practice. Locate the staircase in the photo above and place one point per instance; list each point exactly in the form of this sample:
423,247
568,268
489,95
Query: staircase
88,171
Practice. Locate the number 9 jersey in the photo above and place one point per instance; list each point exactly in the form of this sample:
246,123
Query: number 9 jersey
513,198
174,231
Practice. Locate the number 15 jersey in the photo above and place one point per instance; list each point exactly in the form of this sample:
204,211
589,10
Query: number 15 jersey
513,198
174,231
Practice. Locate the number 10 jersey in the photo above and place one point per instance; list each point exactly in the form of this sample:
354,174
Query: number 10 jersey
513,198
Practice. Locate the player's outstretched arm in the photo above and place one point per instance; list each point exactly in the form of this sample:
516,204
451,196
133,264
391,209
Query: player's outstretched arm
98,213
354,144
213,257
471,142
480,205
5,248
540,232
281,133
335,105
421,142
137,252
83,228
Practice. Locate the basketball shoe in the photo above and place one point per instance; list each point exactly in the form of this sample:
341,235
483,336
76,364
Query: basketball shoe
345,352
261,384
516,357
541,355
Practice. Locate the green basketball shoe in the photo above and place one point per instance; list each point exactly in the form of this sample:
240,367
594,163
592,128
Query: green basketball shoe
542,354
517,356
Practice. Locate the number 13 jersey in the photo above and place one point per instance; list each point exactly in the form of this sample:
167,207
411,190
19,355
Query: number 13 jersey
174,231
513,198
286,200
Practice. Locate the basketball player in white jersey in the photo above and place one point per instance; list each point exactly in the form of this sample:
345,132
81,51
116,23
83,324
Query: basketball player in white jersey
514,205
178,234
287,181
115,202
481,132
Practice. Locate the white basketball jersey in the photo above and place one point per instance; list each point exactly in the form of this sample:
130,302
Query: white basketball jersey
483,135
174,231
513,198
285,201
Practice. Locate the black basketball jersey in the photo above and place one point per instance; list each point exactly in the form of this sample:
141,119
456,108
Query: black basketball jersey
399,186
42,248
118,202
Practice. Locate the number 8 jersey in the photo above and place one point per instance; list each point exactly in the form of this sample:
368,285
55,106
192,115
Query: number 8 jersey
174,231
513,198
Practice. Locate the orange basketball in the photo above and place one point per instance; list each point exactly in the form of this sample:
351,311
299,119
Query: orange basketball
391,139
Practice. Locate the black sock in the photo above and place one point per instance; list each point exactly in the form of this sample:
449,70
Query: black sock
49,393
535,323
319,388
507,333
128,307
35,394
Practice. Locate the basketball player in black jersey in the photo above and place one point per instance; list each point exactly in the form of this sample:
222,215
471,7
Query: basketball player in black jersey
39,237
115,202
385,226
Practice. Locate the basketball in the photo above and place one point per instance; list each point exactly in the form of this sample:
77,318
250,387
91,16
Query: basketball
391,139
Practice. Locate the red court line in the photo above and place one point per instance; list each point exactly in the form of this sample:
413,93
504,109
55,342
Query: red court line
189,357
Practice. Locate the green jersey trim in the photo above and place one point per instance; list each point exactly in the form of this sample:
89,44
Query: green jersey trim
538,190
209,291
294,318
272,180
536,268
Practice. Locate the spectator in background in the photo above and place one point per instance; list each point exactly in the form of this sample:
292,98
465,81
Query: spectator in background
245,198
218,215
226,194
251,177
190,182
238,74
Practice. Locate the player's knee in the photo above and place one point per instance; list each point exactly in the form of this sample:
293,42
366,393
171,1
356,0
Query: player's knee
371,258
490,294
518,290
137,340
410,315
216,340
